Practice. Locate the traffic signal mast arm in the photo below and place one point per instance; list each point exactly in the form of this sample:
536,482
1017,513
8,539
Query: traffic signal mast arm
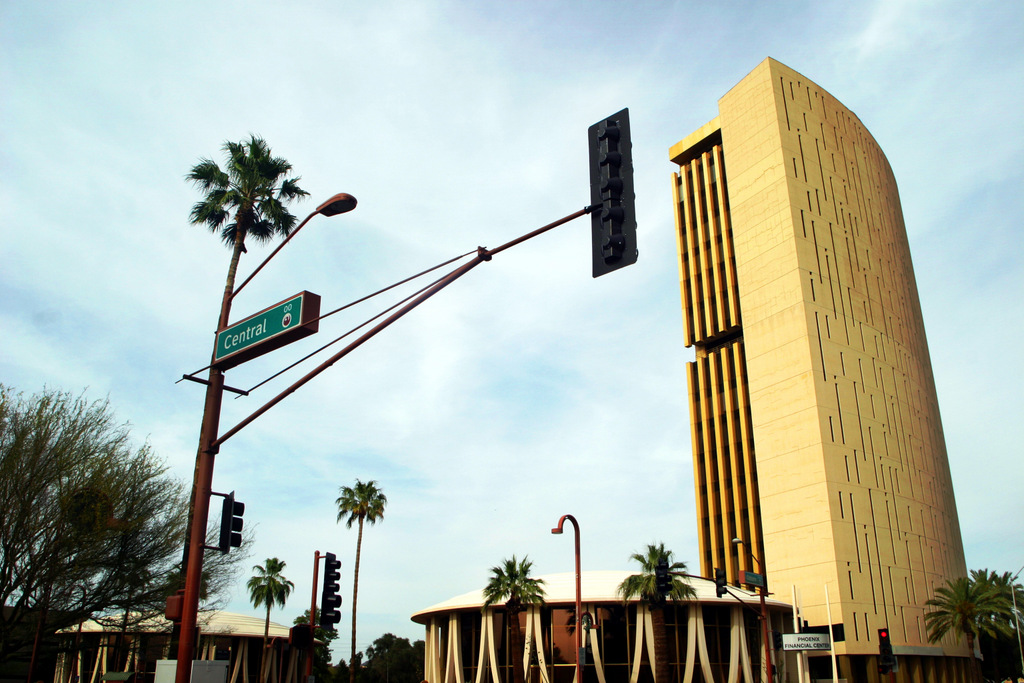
613,236
727,590
483,254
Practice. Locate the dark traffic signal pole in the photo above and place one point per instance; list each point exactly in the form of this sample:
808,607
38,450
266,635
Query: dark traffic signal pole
762,591
209,445
330,601
312,617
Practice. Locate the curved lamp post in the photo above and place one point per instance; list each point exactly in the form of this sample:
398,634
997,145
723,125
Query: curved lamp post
208,448
339,203
762,589
579,597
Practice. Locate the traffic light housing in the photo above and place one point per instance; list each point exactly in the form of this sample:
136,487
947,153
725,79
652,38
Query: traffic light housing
612,200
330,601
662,581
231,523
886,658
720,582
777,640
300,636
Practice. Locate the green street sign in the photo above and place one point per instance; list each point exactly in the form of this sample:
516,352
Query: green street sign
270,329
752,579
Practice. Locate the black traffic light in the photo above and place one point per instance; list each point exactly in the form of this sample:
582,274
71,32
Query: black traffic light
777,640
886,658
330,601
231,523
662,581
720,582
612,200
300,636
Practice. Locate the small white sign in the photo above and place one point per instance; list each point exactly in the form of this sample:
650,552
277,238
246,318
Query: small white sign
806,641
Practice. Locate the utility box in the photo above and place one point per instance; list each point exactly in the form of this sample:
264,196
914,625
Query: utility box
209,671
203,671
165,670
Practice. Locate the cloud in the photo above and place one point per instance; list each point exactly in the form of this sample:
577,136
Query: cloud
527,389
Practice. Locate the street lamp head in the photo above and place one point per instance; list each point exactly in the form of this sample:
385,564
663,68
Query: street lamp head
737,541
561,523
339,203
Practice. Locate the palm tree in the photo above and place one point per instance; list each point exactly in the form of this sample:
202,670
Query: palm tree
644,587
266,587
1006,586
512,584
362,502
969,608
1002,621
245,200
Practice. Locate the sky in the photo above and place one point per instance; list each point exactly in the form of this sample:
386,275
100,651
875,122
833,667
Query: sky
528,389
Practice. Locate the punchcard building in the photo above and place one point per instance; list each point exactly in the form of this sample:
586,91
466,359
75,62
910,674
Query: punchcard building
815,424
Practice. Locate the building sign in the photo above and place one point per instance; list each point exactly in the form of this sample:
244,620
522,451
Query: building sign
270,329
806,641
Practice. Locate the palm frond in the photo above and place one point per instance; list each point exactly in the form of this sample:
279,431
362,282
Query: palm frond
210,213
207,175
268,586
364,500
968,607
643,586
290,189
512,584
252,187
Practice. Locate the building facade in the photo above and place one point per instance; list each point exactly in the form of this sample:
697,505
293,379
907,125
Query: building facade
93,652
709,638
815,423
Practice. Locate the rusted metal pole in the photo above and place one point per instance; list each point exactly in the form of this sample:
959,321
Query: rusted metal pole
200,510
764,631
208,448
312,616
762,591
579,592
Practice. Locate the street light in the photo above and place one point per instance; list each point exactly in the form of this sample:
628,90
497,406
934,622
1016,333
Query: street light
579,597
762,590
339,203
208,448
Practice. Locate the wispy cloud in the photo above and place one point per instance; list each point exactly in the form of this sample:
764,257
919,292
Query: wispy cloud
527,390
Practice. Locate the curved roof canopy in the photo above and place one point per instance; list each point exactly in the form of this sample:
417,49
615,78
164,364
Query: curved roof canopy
596,587
220,623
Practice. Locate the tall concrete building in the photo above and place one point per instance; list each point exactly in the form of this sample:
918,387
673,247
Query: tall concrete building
816,430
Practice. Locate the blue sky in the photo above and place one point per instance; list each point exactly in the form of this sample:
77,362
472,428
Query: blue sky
527,390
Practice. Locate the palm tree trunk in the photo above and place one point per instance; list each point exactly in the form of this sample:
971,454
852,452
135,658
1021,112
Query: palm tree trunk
266,638
229,282
975,670
661,667
992,657
516,647
355,595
